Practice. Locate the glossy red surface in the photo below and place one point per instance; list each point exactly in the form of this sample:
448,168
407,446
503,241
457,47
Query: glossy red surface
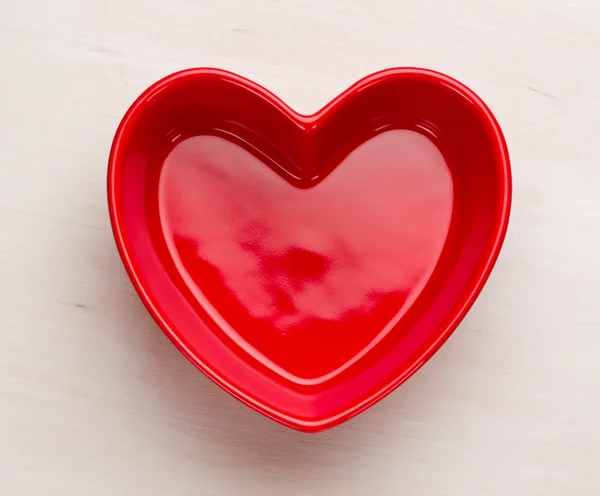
309,264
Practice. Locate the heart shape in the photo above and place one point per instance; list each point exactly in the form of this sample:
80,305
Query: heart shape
309,264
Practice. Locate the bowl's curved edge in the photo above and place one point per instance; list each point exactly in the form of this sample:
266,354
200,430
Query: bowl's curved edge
312,426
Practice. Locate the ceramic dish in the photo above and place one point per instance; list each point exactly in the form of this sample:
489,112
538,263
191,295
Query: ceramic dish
309,264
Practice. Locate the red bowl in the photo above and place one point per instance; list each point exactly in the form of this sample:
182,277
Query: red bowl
309,264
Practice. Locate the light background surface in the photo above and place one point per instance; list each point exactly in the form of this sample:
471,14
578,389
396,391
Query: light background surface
94,400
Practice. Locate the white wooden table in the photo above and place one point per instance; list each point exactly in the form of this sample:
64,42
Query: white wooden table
94,400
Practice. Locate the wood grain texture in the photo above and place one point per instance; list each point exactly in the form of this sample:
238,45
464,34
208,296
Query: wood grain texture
93,398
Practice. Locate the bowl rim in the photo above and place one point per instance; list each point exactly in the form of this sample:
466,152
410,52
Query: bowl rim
502,165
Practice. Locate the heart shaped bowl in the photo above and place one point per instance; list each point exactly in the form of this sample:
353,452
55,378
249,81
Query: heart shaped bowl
309,264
